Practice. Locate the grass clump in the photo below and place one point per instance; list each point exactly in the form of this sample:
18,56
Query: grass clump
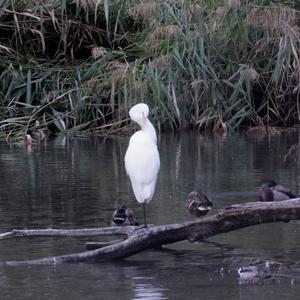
80,65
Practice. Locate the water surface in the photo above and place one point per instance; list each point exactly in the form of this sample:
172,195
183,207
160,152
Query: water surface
77,182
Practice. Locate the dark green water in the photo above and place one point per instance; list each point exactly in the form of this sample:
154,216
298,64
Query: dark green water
76,183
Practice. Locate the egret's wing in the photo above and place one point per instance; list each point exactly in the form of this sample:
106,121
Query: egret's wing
142,165
142,160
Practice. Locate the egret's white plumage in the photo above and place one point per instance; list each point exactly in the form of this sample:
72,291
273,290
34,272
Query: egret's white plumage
142,158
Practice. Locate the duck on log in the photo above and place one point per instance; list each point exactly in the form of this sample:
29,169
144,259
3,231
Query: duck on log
136,239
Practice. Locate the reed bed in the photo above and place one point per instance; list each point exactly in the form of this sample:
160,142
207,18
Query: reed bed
68,66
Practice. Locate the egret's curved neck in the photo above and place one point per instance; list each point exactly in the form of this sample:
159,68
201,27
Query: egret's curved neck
149,129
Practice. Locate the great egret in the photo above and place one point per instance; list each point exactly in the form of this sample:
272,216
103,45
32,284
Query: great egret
270,191
142,158
123,216
198,203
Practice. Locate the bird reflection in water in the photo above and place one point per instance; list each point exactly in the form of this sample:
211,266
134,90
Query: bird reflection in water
145,290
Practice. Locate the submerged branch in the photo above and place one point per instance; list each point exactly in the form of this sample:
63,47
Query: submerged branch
139,239
18,233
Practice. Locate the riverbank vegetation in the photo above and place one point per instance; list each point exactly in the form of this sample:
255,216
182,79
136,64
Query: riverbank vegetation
79,65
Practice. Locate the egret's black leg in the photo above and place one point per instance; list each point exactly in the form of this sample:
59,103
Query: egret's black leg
144,211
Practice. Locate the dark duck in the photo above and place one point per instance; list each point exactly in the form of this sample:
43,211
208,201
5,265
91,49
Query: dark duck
270,191
123,216
198,204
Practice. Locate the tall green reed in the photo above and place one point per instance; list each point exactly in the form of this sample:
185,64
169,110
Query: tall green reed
79,65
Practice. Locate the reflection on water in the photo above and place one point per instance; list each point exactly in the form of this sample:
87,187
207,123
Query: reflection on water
78,182
144,289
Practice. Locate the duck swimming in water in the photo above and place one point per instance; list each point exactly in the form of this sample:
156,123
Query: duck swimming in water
253,275
198,204
270,191
123,216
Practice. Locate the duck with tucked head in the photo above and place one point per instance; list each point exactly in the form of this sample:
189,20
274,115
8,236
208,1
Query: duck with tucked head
123,216
198,204
270,191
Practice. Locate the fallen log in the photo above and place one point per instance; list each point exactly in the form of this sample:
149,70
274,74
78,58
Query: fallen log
140,239
53,232
98,245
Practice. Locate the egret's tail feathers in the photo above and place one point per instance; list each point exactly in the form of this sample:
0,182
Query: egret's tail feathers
143,192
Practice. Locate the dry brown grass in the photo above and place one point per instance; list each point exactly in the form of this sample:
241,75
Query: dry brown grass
253,74
201,65
272,17
221,11
87,3
138,87
98,52
195,8
145,11
118,72
155,46
194,11
91,85
234,3
165,32
196,83
162,61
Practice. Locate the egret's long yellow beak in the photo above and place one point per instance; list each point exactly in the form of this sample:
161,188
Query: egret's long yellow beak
143,121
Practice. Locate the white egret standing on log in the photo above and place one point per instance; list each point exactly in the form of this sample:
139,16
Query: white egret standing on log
142,158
